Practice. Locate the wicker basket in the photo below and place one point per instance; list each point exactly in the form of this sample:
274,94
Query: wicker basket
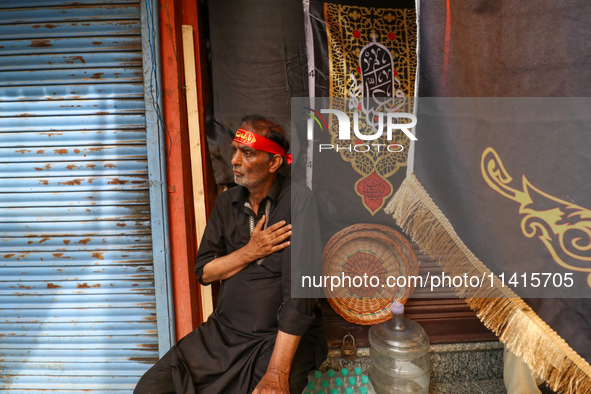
365,251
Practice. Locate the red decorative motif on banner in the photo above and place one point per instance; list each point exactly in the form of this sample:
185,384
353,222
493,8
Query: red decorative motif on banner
357,34
391,36
374,189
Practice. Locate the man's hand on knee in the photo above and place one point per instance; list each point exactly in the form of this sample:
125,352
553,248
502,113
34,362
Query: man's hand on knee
276,379
273,382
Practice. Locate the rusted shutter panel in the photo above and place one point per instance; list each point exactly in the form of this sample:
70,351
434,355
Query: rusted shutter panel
77,303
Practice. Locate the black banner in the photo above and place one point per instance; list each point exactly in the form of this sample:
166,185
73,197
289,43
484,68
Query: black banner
360,49
505,180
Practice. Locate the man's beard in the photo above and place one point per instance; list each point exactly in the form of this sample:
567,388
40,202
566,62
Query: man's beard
246,181
252,178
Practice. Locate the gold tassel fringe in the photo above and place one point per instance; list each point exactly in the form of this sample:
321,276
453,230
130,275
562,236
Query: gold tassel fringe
499,308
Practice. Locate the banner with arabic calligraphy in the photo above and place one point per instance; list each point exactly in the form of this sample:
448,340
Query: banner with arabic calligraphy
511,49
365,53
511,176
500,191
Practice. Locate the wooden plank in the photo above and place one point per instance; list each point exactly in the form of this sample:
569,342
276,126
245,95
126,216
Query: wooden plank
196,157
444,320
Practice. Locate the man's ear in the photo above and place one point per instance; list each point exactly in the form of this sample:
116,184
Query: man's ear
275,163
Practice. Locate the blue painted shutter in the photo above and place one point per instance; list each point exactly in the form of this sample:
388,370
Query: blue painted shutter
77,295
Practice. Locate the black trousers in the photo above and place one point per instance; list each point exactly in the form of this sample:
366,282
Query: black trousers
164,378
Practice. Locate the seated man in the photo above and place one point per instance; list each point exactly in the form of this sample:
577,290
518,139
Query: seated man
259,339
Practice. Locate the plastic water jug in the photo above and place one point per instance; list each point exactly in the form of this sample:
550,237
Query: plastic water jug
399,355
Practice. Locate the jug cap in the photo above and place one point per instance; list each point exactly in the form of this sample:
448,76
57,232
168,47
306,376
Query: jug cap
397,308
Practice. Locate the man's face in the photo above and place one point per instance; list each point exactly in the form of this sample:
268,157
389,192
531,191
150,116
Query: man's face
251,166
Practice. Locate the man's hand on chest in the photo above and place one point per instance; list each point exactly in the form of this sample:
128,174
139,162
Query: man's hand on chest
265,242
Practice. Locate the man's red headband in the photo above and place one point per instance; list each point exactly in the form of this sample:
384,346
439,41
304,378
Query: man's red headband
259,142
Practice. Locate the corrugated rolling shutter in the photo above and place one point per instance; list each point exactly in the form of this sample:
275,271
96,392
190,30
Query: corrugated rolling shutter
77,293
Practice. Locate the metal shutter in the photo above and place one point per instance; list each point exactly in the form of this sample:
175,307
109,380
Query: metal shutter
77,289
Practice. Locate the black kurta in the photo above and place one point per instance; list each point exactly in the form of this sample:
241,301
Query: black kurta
231,351
266,287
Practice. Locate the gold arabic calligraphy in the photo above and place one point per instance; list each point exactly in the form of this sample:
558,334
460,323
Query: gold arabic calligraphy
563,227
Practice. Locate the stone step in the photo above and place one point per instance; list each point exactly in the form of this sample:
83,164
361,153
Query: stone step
455,368
458,368
494,386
